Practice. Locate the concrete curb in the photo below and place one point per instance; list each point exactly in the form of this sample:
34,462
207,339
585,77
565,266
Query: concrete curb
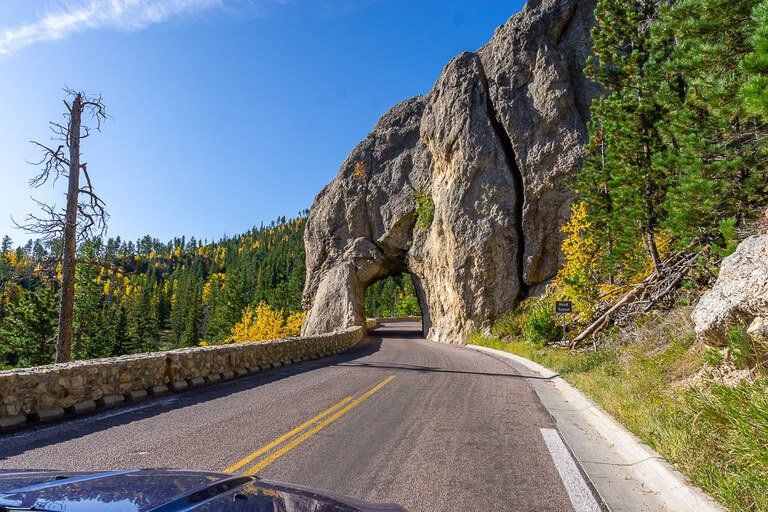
653,473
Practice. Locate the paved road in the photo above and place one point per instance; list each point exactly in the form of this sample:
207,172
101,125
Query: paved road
399,419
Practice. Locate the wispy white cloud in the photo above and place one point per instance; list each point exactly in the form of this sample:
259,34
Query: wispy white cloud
79,16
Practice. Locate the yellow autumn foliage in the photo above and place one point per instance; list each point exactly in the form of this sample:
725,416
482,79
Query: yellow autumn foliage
293,323
581,279
265,323
207,292
359,171
576,281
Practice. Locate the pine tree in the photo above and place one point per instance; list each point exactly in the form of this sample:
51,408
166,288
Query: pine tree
122,343
623,187
28,330
191,335
142,317
88,341
754,92
717,150
235,296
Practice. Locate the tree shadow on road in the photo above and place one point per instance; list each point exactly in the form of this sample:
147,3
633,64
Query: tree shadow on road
422,369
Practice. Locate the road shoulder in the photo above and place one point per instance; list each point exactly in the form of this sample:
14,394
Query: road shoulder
628,474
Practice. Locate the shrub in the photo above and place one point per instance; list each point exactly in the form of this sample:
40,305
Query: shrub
265,323
539,321
729,238
533,320
425,210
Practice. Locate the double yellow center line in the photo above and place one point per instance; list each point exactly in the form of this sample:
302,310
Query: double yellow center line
300,434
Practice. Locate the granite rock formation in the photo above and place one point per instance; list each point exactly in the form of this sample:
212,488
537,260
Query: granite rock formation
492,146
739,296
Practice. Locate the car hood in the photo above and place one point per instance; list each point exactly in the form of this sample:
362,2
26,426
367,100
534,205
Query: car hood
165,490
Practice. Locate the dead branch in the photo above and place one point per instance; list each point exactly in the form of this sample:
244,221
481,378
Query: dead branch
54,164
653,290
602,321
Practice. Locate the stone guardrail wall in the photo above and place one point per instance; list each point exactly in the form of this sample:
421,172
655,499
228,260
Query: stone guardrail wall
47,393
391,319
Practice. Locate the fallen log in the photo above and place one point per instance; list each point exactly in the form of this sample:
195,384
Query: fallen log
603,319
649,292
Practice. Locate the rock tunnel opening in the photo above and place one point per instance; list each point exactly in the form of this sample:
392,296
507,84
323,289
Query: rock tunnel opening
397,295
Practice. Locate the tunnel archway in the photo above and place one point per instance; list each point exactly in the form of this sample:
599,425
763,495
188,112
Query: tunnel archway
491,148
394,296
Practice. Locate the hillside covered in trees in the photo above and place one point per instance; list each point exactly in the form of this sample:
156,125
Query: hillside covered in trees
675,171
148,295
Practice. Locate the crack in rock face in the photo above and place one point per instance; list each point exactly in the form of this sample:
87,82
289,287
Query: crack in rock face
494,146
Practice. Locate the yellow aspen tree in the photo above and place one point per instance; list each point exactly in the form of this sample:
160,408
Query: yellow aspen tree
293,323
265,323
577,280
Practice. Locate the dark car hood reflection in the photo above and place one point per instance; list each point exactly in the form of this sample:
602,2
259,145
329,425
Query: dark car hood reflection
165,490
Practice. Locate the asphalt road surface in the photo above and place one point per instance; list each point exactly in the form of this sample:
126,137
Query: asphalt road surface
429,426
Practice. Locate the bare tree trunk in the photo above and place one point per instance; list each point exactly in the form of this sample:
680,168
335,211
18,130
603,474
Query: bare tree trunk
653,249
69,249
81,218
650,193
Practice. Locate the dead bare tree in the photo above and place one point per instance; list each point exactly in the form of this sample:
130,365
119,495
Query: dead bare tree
84,214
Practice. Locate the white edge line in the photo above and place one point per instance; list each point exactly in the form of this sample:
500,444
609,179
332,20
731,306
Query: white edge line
578,491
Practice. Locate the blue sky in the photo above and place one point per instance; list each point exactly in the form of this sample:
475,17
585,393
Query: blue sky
226,113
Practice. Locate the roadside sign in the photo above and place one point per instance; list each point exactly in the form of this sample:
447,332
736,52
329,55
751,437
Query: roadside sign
564,306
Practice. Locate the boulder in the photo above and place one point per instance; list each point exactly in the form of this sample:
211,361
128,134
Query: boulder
739,296
492,148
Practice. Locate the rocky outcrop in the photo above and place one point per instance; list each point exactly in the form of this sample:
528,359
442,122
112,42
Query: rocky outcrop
360,226
469,260
493,147
739,296
534,65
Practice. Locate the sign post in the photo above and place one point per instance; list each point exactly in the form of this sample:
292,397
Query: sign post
564,307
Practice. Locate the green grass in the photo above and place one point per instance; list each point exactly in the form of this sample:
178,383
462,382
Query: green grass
715,434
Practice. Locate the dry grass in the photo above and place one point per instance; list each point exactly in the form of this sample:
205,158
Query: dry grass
716,434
